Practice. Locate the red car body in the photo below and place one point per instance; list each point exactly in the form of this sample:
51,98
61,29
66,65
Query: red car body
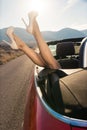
39,115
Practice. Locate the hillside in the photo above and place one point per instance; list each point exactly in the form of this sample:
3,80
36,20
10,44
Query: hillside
22,33
65,33
7,54
68,33
84,31
47,35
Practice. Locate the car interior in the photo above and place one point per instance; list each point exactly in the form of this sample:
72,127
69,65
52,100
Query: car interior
66,56
66,94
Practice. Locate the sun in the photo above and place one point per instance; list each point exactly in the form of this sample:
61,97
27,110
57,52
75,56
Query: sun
38,5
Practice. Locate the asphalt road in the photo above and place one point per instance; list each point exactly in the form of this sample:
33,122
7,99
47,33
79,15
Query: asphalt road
14,83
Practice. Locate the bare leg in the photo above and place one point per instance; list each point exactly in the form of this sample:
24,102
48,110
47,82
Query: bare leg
35,57
17,43
44,49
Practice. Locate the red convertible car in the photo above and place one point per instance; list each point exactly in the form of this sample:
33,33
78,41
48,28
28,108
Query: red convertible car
57,99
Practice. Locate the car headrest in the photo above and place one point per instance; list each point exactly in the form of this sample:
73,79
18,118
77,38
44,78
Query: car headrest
65,49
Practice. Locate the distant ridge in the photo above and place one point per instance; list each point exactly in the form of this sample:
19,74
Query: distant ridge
22,33
47,35
84,31
68,33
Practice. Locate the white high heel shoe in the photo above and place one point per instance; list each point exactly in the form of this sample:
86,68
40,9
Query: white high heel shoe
13,44
31,15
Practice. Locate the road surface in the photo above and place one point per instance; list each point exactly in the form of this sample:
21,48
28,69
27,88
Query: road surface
14,83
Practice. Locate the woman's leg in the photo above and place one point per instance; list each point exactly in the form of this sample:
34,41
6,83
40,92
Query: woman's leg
19,44
43,47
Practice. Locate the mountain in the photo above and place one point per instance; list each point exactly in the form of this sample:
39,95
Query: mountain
22,33
68,33
65,33
84,31
47,35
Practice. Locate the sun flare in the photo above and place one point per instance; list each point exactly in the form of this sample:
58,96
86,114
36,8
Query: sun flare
38,5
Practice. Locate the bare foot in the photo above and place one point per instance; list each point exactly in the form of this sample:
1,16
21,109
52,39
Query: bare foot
13,44
32,16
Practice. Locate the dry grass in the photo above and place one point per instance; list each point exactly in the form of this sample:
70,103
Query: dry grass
7,54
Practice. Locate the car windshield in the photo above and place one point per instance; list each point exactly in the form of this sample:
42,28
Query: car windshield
53,49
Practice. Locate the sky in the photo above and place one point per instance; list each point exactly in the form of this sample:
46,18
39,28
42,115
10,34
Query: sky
53,14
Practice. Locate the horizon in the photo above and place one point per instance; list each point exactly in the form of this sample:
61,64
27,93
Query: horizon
62,34
47,30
